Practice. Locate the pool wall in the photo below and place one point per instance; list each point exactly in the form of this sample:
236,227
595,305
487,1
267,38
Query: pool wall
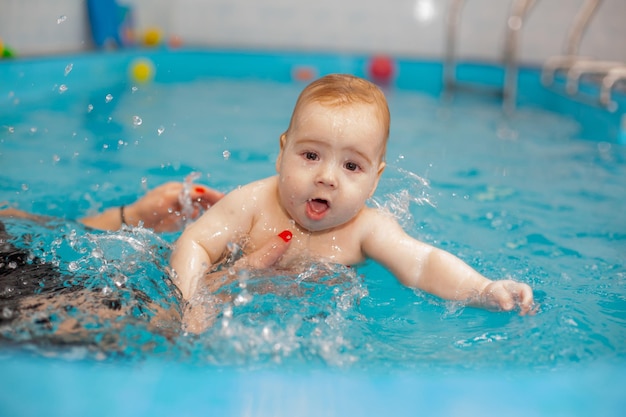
36,79
414,28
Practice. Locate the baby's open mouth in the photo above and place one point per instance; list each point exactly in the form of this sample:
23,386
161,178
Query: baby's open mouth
317,208
318,205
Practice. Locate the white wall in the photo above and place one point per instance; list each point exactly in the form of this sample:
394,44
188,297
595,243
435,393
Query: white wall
34,27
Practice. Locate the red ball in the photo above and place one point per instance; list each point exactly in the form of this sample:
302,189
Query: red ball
381,68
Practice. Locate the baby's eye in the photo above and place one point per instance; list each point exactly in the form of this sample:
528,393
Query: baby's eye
351,166
312,156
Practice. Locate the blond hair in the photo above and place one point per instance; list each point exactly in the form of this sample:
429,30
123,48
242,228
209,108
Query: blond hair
341,90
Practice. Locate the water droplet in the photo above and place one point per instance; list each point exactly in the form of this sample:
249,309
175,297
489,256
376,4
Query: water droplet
68,68
11,129
120,280
89,108
137,121
33,129
226,154
7,313
243,298
232,247
73,266
55,159
134,89
62,88
160,130
108,98
61,19
24,187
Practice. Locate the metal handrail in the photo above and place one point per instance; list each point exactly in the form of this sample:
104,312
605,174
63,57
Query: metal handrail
612,78
581,22
515,22
453,22
572,43
608,74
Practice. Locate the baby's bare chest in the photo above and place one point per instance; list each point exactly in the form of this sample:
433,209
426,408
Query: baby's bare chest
340,247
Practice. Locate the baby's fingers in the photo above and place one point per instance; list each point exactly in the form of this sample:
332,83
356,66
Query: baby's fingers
518,295
526,300
508,295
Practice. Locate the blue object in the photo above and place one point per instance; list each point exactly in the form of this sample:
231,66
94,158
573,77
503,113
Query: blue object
110,23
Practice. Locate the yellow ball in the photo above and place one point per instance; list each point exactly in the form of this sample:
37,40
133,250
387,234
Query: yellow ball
152,37
142,70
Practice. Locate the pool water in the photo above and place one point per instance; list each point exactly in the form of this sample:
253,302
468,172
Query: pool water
532,196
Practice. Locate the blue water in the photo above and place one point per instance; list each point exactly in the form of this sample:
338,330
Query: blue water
534,196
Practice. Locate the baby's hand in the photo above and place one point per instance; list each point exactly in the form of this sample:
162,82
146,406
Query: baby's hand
507,295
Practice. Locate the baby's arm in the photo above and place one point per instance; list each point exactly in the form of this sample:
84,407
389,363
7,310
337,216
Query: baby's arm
204,242
438,272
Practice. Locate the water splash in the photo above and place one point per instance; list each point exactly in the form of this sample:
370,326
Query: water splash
400,189
277,317
106,293
184,198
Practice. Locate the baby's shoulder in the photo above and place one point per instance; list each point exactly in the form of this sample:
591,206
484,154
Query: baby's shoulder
376,220
252,197
376,215
257,189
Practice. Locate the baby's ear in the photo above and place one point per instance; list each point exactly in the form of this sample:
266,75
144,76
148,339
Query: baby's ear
283,140
381,168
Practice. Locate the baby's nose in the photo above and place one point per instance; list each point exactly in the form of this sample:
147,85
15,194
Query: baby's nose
326,176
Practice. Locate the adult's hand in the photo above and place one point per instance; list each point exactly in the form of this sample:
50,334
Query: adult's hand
165,208
200,312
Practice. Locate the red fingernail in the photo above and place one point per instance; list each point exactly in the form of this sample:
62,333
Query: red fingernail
199,189
285,235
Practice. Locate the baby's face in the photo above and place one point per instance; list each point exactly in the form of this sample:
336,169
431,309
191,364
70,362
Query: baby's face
330,163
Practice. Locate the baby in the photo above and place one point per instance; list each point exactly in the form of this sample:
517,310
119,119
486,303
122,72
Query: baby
330,161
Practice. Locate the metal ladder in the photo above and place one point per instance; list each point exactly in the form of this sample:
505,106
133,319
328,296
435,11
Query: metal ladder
607,74
515,23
